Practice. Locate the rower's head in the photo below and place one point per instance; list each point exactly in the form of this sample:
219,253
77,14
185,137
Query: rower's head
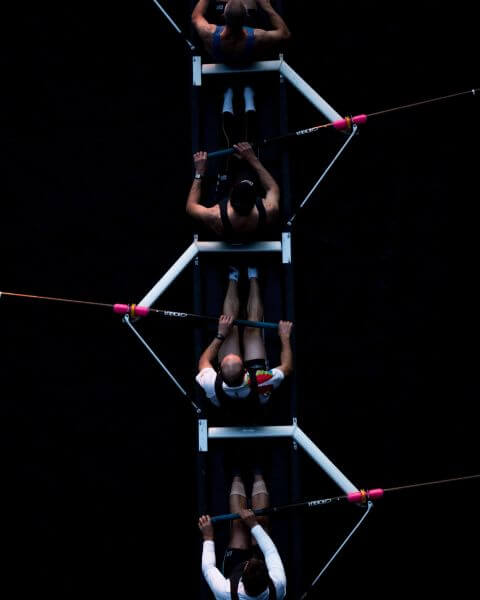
232,370
235,14
243,197
255,577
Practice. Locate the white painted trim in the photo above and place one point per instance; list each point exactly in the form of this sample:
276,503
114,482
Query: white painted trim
197,71
286,248
323,461
202,435
309,93
252,247
287,431
256,67
170,276
230,433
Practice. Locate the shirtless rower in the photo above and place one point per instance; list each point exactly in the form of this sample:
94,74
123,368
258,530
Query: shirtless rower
234,42
243,213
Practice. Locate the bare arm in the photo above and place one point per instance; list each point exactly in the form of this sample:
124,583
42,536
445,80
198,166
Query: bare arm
210,353
203,27
286,355
194,208
272,191
280,31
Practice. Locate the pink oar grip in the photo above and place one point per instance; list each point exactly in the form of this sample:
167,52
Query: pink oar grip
125,309
345,123
376,493
341,124
360,496
355,497
360,119
121,309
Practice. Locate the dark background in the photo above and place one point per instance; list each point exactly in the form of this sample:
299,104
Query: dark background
98,477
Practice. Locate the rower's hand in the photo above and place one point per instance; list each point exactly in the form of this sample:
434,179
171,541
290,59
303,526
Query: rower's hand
285,330
200,162
206,528
248,517
244,150
225,324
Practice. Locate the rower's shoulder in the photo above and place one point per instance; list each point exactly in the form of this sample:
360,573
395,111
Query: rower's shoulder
204,29
214,219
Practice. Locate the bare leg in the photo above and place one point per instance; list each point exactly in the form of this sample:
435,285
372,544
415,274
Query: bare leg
239,534
231,306
260,499
250,135
252,336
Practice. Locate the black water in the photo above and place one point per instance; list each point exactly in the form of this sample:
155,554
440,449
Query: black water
98,482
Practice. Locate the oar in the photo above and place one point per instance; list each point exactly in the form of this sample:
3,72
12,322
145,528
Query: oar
345,123
356,497
142,311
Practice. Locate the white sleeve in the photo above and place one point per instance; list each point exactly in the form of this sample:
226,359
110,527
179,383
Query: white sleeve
206,379
216,581
272,560
278,377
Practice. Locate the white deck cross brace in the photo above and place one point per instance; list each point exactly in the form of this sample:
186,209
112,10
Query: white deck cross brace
270,66
209,247
278,431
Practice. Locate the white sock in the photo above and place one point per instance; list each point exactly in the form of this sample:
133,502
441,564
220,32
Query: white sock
228,101
252,272
248,96
233,274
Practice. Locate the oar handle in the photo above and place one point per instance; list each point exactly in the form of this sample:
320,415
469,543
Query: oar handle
192,317
231,516
218,153
142,311
258,324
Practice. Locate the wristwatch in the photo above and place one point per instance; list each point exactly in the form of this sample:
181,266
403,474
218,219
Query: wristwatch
198,176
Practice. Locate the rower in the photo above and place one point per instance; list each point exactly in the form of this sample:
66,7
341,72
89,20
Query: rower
250,205
242,385
234,43
251,564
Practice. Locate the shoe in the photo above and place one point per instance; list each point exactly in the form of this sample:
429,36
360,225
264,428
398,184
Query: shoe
233,273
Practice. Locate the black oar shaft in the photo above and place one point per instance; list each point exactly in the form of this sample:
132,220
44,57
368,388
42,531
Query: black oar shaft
194,317
274,140
345,123
218,153
360,497
142,311
286,507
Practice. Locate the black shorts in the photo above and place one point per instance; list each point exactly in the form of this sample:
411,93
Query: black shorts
258,364
234,557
